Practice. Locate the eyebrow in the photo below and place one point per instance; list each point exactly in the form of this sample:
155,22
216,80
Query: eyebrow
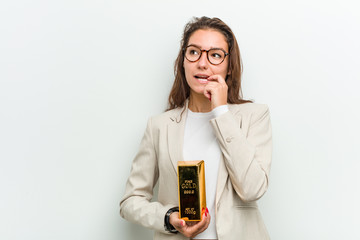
195,45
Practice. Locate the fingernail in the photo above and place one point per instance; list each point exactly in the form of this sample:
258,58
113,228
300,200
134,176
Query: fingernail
205,214
182,223
207,210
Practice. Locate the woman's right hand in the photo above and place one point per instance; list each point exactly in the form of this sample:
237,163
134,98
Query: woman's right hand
190,229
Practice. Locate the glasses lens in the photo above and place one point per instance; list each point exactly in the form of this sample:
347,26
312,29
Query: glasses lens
216,56
192,53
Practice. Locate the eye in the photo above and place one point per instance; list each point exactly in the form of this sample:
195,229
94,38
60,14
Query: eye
216,55
193,52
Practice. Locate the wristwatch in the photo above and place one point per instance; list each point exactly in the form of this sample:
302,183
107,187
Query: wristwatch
168,227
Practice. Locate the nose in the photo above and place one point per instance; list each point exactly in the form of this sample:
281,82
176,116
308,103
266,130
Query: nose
203,62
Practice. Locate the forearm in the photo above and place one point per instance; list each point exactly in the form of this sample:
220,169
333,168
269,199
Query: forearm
136,205
247,153
138,210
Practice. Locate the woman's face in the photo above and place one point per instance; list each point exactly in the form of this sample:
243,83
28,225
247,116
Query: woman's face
197,72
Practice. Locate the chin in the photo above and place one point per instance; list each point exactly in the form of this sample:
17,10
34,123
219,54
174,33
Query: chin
198,91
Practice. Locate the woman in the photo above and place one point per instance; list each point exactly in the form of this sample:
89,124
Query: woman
207,120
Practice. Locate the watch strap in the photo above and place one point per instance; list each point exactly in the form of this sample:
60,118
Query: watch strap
168,227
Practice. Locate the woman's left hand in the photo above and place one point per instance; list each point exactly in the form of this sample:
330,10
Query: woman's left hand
216,91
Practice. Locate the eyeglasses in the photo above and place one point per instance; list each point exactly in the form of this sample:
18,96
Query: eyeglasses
215,55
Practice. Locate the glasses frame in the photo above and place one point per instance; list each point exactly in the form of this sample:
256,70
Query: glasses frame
207,54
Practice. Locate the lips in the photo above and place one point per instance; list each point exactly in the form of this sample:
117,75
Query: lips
202,78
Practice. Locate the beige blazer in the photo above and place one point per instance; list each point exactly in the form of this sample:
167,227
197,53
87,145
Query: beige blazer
244,136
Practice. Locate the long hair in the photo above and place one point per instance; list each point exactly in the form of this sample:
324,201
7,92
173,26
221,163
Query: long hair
180,90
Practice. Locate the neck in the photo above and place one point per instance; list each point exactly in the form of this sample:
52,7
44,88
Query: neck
199,103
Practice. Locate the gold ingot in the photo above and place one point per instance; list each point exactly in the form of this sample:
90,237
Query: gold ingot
192,194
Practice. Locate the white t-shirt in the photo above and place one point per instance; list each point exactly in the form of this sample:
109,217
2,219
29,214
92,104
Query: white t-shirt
200,143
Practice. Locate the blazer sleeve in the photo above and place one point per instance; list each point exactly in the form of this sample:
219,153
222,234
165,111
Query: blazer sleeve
247,154
136,205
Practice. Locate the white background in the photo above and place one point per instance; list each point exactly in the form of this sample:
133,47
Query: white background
79,80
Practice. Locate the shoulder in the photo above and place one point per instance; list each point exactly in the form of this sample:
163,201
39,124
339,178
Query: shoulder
163,119
248,108
250,111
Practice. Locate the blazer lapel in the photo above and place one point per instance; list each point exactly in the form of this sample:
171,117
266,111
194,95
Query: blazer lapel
176,136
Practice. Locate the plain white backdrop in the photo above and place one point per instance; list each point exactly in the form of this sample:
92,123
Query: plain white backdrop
79,79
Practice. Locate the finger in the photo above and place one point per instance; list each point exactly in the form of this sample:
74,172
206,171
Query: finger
179,224
207,93
205,222
217,78
176,221
211,87
199,227
194,228
215,84
212,84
